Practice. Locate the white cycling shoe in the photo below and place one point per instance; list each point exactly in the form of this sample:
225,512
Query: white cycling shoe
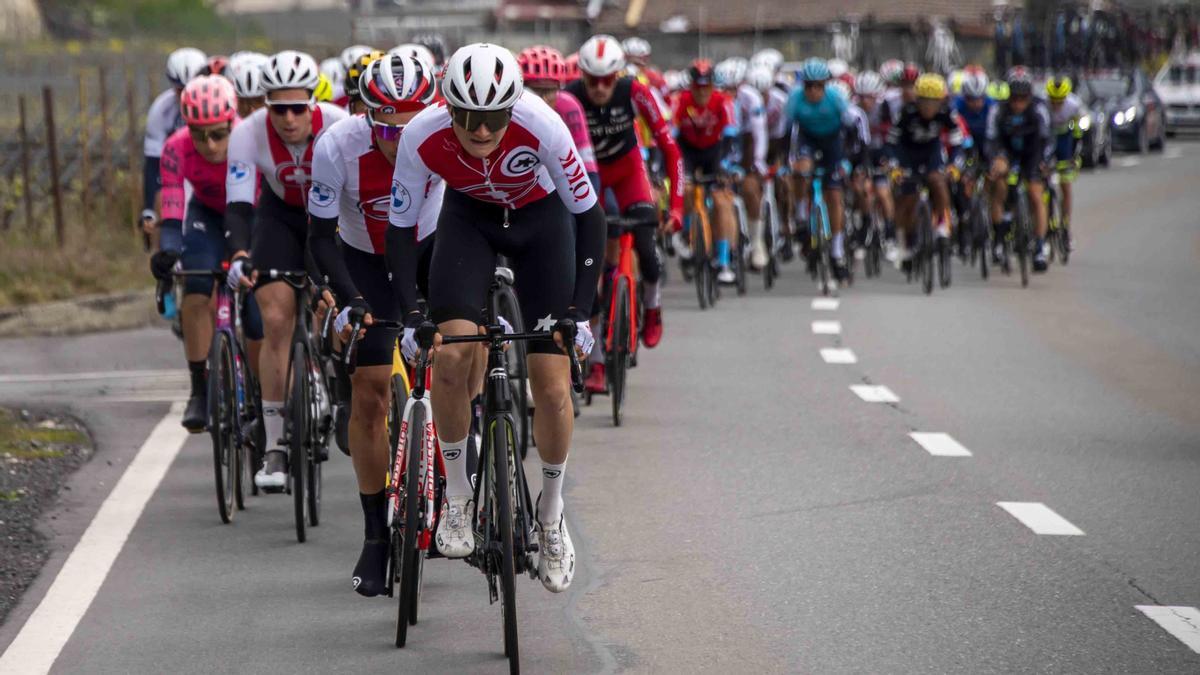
273,474
726,276
556,557
454,536
682,248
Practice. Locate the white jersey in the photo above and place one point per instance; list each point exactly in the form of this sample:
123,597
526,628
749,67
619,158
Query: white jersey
1067,112
893,99
750,116
352,182
162,120
255,147
777,119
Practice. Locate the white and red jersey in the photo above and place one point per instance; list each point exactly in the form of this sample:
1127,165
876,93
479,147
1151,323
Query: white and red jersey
777,119
352,180
750,116
536,158
255,147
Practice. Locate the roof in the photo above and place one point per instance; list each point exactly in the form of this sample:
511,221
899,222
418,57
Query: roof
729,17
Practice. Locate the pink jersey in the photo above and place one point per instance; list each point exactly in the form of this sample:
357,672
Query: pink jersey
185,172
571,111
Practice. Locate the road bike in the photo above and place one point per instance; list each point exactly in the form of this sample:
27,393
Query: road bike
772,232
929,250
700,231
1021,235
509,306
978,226
820,265
1059,234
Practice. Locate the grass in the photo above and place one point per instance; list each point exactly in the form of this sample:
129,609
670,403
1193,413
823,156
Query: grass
19,440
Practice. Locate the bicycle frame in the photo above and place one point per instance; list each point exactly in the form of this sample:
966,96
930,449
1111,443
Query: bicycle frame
430,458
624,270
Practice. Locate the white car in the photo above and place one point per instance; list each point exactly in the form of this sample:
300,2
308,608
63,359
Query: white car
1178,84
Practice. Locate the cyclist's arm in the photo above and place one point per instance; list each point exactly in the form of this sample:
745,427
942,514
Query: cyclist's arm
1042,145
758,132
954,135
241,181
172,195
324,203
992,144
152,148
646,105
409,180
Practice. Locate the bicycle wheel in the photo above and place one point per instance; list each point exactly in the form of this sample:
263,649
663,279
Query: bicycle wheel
399,398
504,522
297,433
222,423
409,555
944,257
768,234
701,267
925,246
1064,242
979,238
1021,240
619,354
509,306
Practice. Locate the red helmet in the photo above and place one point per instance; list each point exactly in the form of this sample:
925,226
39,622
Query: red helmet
847,78
701,73
541,64
208,99
218,65
571,68
910,73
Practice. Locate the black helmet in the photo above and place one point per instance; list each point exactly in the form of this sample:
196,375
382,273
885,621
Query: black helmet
434,43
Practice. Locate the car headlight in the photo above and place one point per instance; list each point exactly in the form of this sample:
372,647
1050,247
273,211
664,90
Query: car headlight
1085,122
1119,119
1130,113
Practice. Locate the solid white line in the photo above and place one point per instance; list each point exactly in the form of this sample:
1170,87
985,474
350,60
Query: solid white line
1040,518
50,626
874,393
939,444
827,327
825,304
74,377
834,355
1182,622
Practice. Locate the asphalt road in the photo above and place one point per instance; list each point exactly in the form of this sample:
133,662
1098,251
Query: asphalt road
754,514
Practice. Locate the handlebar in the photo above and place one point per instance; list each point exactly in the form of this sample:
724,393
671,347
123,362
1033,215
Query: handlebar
495,334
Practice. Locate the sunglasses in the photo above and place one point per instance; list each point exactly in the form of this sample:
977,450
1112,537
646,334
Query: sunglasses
815,84
606,81
214,135
471,120
544,90
297,108
384,131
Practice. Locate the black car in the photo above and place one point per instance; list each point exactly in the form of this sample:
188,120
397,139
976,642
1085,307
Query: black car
1136,113
1097,131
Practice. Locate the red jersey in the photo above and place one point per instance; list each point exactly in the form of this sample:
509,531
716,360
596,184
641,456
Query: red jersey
702,127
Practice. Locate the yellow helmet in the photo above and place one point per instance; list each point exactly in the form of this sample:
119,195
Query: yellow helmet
997,90
956,81
324,90
931,85
356,69
1058,88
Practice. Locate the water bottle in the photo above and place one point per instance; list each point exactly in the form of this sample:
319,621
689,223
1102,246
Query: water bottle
169,307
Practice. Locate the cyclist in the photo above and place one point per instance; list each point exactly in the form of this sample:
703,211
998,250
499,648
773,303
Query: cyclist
611,103
1066,109
217,65
418,52
817,115
1018,134
915,144
347,60
572,73
332,70
246,68
162,120
277,143
324,93
436,45
637,55
542,69
706,131
747,159
503,155
973,104
354,72
349,200
778,136
193,163
855,150
902,92
869,87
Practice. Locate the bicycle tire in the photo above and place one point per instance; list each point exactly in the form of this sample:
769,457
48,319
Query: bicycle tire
297,416
504,521
979,235
768,232
619,354
1064,243
409,558
1021,225
945,263
701,267
925,246
518,370
222,421
399,397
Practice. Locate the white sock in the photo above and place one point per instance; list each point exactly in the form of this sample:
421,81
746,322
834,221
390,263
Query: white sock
455,457
839,246
652,294
550,506
273,423
597,355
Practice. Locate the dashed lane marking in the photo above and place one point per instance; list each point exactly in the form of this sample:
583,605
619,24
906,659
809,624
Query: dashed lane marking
44,635
940,444
1040,518
1173,153
827,327
1128,162
825,304
874,393
1182,622
838,356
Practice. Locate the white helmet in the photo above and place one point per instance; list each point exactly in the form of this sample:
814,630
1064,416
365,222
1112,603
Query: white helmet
350,55
869,83
246,68
397,84
332,69
185,63
771,58
974,83
418,52
837,68
482,76
601,55
730,72
636,47
290,69
760,77
673,80
841,87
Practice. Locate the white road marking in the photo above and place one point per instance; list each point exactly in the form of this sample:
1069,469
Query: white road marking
43,636
1182,622
827,327
833,355
825,304
1128,162
1173,152
79,377
872,393
940,444
1040,518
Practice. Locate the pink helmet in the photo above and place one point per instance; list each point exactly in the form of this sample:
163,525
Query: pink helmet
208,99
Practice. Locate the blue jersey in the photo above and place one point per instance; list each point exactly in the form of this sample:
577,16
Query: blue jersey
821,119
976,121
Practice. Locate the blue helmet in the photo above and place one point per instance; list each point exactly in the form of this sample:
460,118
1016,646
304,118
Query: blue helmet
814,70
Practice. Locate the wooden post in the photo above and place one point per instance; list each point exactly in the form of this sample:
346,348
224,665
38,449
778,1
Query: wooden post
135,188
85,146
27,181
106,159
52,154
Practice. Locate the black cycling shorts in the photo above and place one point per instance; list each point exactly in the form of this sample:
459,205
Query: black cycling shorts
539,242
279,235
369,273
706,161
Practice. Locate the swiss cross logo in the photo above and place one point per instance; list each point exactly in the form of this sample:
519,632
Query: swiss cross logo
293,176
